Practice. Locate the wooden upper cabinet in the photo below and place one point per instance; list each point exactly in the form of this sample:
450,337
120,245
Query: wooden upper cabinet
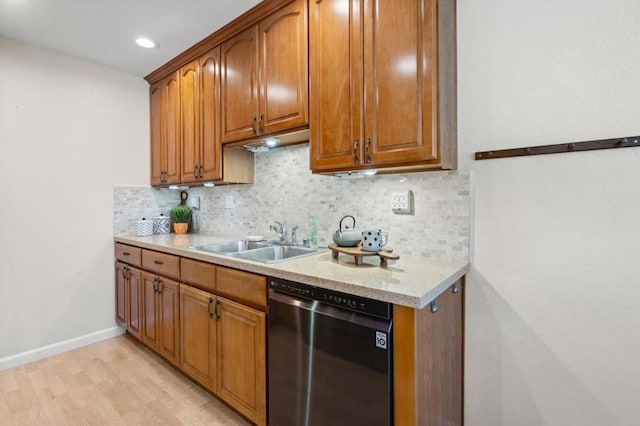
265,76
284,75
210,149
165,130
200,110
239,95
190,113
337,84
391,104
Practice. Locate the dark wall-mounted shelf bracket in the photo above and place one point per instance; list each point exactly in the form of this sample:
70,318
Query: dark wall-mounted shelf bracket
625,142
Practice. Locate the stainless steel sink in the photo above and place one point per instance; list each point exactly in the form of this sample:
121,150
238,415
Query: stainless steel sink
275,253
233,246
261,251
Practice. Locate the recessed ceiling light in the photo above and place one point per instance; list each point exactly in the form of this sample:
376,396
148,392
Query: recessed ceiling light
145,42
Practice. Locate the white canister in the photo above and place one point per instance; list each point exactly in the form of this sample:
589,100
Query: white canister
144,228
161,224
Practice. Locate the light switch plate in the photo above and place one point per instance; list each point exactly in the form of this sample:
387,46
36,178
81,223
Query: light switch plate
194,202
402,201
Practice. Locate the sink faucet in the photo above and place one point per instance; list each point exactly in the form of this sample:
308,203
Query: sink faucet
294,235
281,230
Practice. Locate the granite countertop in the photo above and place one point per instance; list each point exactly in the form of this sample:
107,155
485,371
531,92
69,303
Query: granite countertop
411,281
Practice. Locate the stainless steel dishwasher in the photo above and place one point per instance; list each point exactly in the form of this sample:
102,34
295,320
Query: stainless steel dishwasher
329,358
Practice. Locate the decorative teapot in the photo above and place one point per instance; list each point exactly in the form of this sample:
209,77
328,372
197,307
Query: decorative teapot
345,237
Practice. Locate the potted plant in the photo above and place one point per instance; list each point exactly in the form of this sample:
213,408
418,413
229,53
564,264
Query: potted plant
181,215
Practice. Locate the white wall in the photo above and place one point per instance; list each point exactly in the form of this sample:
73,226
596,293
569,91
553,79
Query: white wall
553,302
69,131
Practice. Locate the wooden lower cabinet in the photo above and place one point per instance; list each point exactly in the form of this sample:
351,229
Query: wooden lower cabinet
161,307
428,361
128,298
198,335
224,349
241,359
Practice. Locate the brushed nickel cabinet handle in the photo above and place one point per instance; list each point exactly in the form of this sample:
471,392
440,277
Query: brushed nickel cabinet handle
126,253
155,285
367,158
158,262
209,307
356,146
217,314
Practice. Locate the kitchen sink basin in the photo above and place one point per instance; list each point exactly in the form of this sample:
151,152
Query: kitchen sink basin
275,253
261,251
233,246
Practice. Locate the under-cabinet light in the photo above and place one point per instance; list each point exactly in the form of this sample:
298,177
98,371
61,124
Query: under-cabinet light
272,142
209,184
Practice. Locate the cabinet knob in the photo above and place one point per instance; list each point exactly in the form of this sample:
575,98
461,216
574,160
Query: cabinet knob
435,306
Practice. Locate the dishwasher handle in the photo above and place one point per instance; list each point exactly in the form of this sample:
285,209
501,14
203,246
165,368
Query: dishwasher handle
320,308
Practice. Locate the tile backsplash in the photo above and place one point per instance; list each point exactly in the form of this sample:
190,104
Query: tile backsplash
286,191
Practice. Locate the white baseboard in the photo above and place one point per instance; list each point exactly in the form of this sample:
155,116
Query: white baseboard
56,348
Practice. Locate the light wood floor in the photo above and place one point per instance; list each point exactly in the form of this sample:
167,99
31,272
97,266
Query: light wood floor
113,382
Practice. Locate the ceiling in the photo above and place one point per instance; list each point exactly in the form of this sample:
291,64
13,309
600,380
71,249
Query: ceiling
104,31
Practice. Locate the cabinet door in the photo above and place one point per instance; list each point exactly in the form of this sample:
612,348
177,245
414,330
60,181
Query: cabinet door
198,335
134,311
168,308
239,56
335,29
172,141
400,81
157,132
241,359
190,127
210,149
165,130
121,308
150,333
284,77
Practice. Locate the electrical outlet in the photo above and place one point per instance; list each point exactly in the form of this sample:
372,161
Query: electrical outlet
402,201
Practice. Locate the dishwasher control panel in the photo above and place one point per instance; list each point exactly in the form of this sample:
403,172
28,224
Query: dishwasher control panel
330,297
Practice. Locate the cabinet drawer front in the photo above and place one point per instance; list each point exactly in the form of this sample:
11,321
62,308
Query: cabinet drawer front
129,254
161,263
199,274
242,286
